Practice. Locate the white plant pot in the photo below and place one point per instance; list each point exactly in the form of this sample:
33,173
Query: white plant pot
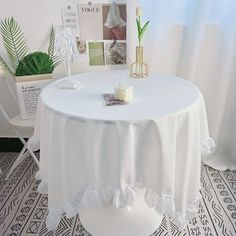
28,89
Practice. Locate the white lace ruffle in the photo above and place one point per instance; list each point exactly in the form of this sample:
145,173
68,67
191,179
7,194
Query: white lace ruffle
164,204
207,146
43,186
119,197
33,144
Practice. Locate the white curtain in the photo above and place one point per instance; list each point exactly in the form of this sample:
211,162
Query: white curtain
196,40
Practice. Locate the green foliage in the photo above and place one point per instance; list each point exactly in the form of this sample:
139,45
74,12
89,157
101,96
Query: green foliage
141,30
51,43
20,62
14,43
34,64
56,60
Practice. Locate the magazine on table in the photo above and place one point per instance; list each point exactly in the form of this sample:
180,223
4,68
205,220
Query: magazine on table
110,100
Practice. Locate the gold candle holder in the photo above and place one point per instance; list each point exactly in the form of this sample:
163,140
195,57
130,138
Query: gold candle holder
139,69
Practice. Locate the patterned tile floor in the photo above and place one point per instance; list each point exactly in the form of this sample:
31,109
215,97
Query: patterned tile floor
23,209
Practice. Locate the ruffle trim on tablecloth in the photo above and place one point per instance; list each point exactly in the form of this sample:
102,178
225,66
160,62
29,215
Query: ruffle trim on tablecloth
119,197
207,146
33,143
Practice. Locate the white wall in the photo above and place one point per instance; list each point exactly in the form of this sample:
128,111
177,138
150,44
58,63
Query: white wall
35,18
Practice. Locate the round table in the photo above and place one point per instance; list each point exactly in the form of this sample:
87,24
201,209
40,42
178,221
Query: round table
94,158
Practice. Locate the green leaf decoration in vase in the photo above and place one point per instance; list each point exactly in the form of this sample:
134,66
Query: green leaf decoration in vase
139,69
141,29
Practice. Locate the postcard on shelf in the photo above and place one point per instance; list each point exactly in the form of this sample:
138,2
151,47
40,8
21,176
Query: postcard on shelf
110,100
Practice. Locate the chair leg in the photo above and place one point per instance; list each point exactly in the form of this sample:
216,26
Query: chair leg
29,150
33,155
23,154
18,160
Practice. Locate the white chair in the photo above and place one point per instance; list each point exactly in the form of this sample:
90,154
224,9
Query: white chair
18,122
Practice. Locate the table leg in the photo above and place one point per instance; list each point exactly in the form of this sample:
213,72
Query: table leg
138,220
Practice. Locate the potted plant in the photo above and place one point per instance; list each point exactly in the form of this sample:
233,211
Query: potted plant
20,62
25,66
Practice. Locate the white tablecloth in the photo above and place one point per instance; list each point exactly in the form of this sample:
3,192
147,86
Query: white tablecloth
91,154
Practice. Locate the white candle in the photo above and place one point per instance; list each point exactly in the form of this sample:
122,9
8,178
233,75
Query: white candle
124,92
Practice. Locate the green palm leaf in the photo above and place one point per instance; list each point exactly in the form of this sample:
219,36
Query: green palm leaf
56,60
14,41
51,43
